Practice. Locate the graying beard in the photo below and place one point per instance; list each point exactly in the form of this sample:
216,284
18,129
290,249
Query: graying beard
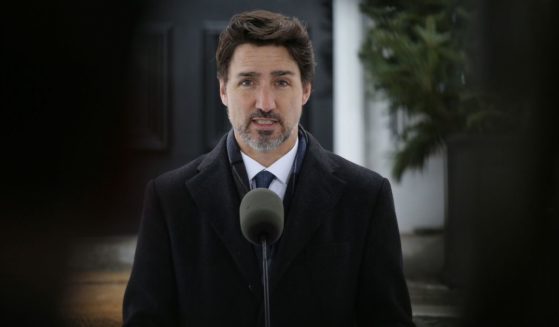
264,143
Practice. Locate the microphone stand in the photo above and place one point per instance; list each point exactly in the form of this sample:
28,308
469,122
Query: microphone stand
265,277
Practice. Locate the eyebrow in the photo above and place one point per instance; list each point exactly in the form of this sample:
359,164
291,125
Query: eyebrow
275,73
248,74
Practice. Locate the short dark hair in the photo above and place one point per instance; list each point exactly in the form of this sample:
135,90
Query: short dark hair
261,27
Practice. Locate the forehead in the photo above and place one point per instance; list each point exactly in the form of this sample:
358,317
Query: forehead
261,59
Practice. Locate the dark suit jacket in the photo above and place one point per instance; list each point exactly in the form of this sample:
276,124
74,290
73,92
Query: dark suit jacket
338,263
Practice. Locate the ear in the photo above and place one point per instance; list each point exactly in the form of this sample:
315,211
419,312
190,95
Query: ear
307,89
223,92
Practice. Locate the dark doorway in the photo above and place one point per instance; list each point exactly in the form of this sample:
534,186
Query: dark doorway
175,113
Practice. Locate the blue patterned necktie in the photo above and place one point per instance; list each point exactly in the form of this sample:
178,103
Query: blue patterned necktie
264,179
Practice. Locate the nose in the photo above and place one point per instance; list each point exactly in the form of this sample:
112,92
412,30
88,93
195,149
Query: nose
265,99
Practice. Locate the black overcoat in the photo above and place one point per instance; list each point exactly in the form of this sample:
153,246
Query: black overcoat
338,263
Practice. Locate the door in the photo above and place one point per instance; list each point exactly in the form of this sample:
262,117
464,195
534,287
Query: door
174,110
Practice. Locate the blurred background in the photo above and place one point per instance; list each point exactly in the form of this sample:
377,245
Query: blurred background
453,101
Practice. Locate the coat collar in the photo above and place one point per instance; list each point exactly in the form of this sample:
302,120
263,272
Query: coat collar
215,195
317,192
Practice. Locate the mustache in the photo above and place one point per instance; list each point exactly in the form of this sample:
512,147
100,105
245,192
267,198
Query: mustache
268,115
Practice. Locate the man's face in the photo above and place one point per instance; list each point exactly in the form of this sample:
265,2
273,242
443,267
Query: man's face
264,95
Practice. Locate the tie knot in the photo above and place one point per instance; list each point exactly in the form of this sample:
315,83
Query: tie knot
264,179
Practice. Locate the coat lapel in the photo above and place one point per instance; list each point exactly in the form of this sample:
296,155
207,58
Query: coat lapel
316,194
217,199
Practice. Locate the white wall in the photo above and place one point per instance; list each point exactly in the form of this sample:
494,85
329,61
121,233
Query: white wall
349,94
420,195
362,134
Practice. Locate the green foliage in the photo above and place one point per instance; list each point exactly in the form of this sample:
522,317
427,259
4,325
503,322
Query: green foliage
417,53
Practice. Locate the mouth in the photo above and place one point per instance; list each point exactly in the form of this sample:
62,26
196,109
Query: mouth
264,121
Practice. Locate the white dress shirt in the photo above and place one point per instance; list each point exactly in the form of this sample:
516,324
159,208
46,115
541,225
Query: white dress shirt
281,168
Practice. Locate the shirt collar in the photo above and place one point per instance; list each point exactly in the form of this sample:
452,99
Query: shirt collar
281,168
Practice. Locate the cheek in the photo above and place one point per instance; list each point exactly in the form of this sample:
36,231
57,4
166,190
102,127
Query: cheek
240,100
237,109
295,109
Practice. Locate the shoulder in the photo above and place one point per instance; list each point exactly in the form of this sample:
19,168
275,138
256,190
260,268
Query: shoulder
352,174
172,184
362,186
180,174
355,175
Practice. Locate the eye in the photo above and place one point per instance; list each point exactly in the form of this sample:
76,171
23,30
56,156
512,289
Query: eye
282,83
246,82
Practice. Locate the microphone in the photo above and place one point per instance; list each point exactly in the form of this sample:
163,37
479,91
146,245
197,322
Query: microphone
261,217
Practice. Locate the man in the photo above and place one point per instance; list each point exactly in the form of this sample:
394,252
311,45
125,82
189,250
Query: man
338,262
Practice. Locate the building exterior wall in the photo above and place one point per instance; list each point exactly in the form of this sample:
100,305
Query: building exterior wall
362,129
